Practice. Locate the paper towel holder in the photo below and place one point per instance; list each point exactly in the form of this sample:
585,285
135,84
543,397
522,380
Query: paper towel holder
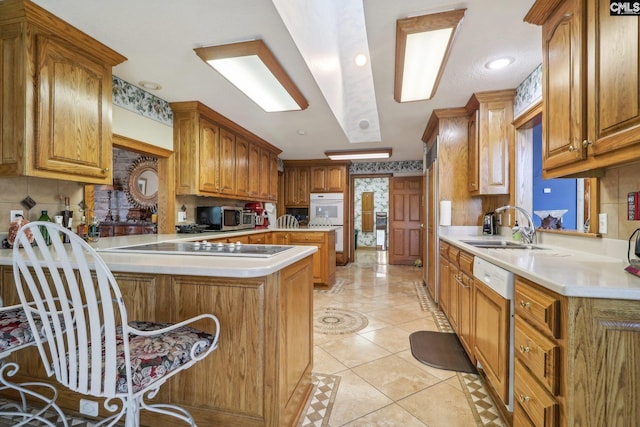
445,212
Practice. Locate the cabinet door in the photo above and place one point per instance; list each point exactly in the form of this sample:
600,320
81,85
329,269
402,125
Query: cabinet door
273,176
454,302
491,332
254,170
318,179
443,285
302,198
265,166
242,167
290,186
562,85
227,163
336,178
472,153
280,237
465,309
72,129
209,173
614,57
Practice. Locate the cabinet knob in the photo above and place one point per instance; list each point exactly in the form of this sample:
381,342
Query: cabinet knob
524,349
523,398
571,148
105,170
586,143
473,185
525,304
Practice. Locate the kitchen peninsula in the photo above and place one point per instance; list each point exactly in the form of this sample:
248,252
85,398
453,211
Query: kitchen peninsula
261,373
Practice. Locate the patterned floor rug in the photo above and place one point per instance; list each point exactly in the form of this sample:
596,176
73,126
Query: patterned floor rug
333,320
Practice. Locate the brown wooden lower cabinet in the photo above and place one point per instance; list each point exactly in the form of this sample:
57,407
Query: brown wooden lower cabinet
126,229
261,373
324,261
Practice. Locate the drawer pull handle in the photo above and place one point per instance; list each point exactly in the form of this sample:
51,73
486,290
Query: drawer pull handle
523,398
524,349
525,304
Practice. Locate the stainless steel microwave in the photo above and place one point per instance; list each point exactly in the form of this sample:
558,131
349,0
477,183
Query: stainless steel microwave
225,218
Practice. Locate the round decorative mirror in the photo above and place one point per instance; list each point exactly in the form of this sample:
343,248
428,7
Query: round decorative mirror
142,185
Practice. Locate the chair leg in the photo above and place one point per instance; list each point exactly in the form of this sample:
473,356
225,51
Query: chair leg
133,412
9,369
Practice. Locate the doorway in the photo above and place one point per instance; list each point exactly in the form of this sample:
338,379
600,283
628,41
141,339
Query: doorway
370,195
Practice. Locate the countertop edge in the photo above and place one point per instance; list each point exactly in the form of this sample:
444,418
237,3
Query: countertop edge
607,280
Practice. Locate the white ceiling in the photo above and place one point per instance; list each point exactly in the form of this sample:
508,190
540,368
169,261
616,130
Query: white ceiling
158,38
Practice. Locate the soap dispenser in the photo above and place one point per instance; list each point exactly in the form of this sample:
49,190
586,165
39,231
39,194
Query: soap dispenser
516,234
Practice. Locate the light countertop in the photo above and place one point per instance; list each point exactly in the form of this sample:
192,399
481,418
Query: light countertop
198,265
565,271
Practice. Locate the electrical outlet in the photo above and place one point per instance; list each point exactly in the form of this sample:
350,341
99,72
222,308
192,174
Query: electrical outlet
602,223
14,213
182,216
89,407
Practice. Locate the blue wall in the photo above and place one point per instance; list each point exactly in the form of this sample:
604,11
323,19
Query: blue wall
563,190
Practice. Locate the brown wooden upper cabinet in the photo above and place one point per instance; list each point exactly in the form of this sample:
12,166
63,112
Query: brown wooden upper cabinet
328,179
47,66
296,186
490,137
591,78
216,157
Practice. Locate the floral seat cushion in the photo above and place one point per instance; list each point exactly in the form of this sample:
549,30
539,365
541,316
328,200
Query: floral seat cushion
14,329
152,358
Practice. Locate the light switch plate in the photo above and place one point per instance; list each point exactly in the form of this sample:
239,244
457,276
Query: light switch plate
182,216
602,223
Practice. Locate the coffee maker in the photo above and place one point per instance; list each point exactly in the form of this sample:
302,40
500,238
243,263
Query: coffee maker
489,224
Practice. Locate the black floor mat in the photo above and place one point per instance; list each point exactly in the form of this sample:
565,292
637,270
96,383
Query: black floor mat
441,350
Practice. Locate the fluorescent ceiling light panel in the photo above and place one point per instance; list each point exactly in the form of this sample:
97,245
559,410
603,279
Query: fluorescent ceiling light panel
252,68
381,153
423,44
329,34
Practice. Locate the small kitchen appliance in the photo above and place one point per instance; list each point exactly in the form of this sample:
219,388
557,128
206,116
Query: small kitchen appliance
261,220
634,263
225,218
489,224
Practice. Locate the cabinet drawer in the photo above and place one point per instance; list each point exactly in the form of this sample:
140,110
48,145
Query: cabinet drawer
258,238
539,353
534,399
306,238
453,255
444,249
465,261
537,307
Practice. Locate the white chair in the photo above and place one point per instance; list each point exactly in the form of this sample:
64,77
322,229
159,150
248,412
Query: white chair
89,344
16,334
287,221
321,221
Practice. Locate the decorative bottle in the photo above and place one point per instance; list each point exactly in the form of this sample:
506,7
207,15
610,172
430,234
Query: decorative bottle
82,228
43,230
94,230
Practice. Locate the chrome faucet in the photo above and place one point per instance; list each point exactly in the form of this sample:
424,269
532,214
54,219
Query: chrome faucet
528,232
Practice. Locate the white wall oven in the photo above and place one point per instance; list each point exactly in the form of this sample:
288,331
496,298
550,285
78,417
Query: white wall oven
331,206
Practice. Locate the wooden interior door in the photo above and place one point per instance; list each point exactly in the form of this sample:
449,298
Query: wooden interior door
405,219
367,212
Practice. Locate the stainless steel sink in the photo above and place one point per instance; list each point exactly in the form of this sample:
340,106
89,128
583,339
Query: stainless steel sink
499,244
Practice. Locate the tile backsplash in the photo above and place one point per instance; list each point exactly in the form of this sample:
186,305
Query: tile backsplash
48,194
614,187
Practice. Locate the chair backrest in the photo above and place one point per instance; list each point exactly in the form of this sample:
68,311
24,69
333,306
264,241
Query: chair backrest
287,221
80,306
320,221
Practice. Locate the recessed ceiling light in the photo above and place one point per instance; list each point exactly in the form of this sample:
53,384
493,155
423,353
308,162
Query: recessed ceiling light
149,85
361,60
499,63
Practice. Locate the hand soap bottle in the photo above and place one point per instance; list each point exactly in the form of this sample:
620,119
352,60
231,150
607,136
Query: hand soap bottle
515,232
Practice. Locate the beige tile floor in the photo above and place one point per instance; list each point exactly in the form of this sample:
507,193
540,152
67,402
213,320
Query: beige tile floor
381,384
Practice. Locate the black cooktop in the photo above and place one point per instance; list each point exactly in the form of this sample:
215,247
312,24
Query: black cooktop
203,248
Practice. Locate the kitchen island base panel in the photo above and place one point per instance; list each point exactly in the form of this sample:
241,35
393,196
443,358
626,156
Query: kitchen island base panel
261,373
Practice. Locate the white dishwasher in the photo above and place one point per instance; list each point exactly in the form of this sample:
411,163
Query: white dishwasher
490,346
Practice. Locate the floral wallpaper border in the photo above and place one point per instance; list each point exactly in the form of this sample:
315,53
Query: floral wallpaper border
528,92
407,166
136,100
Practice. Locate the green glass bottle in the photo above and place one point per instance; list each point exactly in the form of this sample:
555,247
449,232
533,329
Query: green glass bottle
43,230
